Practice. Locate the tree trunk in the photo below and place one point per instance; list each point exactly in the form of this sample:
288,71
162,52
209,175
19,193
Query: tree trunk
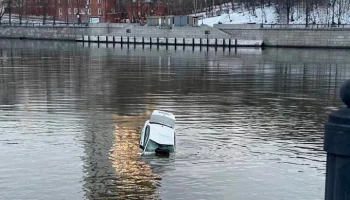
168,7
333,10
2,10
44,14
206,8
195,7
10,10
55,13
21,11
214,7
20,15
307,14
288,12
66,7
339,12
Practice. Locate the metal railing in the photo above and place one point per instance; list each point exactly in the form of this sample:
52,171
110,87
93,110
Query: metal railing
39,24
304,26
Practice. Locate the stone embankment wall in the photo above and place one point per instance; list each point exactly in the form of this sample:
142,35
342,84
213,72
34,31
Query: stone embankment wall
128,33
290,37
70,32
277,37
60,32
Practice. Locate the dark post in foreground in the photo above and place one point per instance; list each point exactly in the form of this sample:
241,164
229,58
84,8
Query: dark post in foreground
337,146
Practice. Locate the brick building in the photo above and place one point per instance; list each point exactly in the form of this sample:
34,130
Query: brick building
139,10
68,10
107,10
94,10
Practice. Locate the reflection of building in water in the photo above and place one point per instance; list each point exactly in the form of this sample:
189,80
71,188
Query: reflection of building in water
136,178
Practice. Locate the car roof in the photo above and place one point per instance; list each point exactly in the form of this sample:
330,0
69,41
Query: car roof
162,117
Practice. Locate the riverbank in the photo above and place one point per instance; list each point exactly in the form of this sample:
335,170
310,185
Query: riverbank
230,35
128,33
290,35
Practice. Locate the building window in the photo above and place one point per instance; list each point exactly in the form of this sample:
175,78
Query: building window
99,11
89,11
113,10
69,11
75,11
82,11
99,1
60,12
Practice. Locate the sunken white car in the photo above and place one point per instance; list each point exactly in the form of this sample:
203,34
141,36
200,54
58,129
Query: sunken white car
158,134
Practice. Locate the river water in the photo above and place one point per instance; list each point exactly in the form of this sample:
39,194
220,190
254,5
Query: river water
249,121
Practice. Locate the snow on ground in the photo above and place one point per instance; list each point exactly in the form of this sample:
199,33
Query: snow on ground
319,16
240,15
27,19
268,15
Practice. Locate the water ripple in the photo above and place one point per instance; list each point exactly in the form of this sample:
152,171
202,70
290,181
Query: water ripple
249,121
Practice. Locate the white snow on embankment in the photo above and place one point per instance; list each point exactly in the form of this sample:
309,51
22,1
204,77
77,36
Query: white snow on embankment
268,15
27,19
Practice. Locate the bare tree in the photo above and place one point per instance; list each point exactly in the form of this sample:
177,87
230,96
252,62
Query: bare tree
66,5
195,2
54,17
3,4
44,9
332,4
131,3
120,7
307,13
288,8
20,8
9,8
341,8
169,4
311,10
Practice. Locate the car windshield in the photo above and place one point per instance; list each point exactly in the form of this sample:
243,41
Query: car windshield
152,146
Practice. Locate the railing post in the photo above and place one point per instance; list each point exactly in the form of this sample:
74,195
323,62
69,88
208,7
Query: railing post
337,146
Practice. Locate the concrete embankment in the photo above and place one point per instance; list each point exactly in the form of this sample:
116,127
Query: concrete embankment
219,35
290,37
129,33
57,32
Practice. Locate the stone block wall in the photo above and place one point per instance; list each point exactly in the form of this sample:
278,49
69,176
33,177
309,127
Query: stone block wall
175,32
57,32
105,29
325,38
